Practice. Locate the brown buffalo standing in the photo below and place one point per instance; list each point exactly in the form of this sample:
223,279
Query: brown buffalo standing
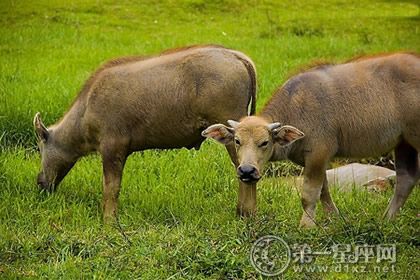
135,103
362,108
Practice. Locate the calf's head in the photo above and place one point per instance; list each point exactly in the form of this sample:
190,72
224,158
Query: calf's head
56,161
254,139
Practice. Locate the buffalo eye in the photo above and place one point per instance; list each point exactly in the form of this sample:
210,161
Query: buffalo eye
263,144
237,142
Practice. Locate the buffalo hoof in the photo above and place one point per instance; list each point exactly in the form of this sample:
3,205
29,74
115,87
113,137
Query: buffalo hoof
245,212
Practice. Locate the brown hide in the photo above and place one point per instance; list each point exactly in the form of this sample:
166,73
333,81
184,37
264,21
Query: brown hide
357,109
163,101
363,108
138,103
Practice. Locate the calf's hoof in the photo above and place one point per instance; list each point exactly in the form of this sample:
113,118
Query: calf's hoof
110,219
245,212
390,216
307,222
391,212
331,210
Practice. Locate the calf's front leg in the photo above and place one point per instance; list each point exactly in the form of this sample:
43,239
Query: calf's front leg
247,200
314,178
113,165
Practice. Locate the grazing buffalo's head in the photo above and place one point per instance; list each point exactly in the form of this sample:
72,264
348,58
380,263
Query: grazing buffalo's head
254,139
55,160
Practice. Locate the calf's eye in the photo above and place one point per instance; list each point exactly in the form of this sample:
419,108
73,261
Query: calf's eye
237,142
263,144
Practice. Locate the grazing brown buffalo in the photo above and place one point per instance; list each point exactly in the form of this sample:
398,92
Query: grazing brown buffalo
135,103
365,107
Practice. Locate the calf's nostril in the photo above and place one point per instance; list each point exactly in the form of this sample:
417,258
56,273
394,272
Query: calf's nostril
246,170
248,173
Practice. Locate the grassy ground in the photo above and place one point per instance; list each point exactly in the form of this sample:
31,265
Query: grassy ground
177,207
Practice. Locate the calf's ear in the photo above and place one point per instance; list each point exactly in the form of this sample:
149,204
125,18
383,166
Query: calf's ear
40,128
286,134
219,132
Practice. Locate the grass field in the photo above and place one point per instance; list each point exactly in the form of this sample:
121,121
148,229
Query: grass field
177,208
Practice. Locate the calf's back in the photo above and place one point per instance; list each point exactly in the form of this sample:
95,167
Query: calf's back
357,109
166,101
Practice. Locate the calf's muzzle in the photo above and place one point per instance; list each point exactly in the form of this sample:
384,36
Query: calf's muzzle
248,173
43,184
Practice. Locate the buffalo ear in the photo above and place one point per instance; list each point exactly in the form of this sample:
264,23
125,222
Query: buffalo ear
286,134
40,128
219,132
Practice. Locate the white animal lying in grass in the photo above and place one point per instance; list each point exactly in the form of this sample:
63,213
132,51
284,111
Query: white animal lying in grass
356,174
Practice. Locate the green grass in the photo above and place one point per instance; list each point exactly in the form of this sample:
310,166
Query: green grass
177,208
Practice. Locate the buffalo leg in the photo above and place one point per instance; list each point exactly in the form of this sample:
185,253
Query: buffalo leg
408,172
314,177
113,165
247,200
327,202
247,193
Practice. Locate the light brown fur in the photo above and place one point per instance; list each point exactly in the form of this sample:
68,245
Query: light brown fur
137,103
362,108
